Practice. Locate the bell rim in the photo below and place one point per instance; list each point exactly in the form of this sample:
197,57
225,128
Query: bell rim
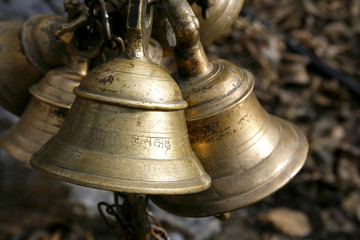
17,142
90,95
295,163
36,93
73,79
11,148
199,184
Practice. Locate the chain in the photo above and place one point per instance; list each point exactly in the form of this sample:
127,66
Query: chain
131,217
90,23
157,231
97,10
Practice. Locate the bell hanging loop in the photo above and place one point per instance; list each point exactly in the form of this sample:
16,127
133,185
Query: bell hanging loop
126,130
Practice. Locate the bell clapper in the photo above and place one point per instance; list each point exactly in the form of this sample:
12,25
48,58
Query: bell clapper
223,216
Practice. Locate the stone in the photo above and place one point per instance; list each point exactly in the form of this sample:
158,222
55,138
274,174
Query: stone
291,222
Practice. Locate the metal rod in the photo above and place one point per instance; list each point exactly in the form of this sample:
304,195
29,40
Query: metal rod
191,60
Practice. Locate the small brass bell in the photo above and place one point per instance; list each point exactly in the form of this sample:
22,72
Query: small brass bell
44,49
126,130
17,73
248,153
43,117
30,50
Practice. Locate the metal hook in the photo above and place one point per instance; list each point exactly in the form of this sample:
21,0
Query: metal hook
116,42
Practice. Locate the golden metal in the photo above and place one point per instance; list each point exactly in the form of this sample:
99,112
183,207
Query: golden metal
17,73
41,46
126,130
28,51
43,117
248,153
219,18
155,54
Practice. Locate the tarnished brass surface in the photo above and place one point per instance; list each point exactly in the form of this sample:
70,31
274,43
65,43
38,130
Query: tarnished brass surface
17,74
126,130
43,117
219,18
28,51
40,44
248,153
189,53
155,54
45,50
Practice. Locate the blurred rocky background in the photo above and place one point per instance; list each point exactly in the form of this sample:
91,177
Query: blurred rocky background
305,55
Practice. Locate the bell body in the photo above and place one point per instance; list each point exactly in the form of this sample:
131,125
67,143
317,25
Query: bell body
43,117
125,132
248,153
17,73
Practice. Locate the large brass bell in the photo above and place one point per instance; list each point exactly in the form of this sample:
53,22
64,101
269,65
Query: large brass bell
126,130
17,73
43,117
248,153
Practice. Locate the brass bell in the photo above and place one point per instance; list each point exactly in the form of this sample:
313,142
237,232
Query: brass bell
30,50
45,49
248,153
43,117
17,73
219,17
126,130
